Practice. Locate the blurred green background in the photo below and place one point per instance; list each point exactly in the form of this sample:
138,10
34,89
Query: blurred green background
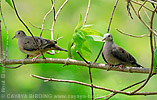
18,81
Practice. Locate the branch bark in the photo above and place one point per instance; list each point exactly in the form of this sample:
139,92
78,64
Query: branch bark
94,86
77,62
1,46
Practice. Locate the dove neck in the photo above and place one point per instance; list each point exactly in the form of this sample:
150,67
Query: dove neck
108,44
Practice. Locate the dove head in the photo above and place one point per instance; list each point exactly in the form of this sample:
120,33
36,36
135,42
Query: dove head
107,37
19,34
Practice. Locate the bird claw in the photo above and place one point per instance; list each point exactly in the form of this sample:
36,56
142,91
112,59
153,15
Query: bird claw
34,59
109,66
120,66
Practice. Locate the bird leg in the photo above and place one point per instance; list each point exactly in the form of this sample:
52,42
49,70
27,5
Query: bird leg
120,66
33,60
27,56
109,66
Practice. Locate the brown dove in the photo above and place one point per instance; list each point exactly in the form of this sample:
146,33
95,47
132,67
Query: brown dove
27,45
115,55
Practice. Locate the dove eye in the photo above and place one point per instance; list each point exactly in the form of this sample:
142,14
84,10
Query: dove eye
109,36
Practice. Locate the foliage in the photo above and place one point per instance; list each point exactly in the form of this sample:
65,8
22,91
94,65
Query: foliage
9,2
84,39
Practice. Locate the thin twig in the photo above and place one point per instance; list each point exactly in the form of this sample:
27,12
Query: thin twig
55,18
59,10
91,82
112,94
53,24
94,86
112,16
145,12
27,28
152,52
128,8
89,2
141,5
128,87
11,67
145,35
90,74
53,4
1,43
6,52
138,15
39,27
99,53
82,57
107,30
154,42
59,38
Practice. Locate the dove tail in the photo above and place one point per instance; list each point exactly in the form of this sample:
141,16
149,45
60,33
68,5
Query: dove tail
138,65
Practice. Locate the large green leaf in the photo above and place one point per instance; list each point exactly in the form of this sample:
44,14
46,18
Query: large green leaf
9,2
80,44
88,31
155,59
81,39
78,38
94,38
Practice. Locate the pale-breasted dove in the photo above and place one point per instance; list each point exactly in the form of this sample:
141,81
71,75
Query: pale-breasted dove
27,45
115,55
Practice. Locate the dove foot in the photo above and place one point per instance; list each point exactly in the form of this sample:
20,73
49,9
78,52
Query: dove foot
109,66
120,66
34,59
27,56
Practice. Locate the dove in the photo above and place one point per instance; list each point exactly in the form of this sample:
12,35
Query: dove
27,45
115,55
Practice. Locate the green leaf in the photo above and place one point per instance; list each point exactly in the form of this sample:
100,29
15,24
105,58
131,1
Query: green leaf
88,31
69,48
9,2
75,48
155,59
79,38
95,44
94,38
84,26
79,23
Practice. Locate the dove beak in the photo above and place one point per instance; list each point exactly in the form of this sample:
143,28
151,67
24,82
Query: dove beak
103,39
59,48
14,37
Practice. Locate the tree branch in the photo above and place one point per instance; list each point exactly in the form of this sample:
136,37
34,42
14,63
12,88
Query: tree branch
94,86
152,52
80,63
